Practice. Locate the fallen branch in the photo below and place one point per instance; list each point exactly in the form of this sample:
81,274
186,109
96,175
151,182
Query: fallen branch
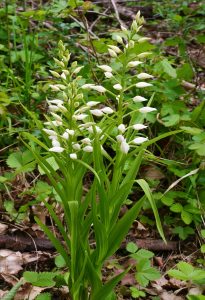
24,243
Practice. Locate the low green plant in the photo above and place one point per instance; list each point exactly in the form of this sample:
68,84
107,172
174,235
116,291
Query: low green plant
93,132
144,271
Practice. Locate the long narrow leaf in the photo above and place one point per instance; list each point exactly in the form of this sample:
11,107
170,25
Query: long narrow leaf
56,243
122,227
144,185
105,291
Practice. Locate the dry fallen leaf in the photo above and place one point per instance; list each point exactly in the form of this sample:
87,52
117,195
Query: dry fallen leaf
169,296
10,262
3,228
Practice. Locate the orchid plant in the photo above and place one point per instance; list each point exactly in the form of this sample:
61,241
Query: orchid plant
84,137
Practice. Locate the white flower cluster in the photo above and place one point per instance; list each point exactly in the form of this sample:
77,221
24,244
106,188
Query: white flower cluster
73,110
125,44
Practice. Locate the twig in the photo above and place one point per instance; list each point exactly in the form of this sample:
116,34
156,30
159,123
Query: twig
117,13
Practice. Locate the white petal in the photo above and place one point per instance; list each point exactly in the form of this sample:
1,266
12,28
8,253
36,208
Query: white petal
76,146
87,86
144,54
77,70
120,138
107,110
88,149
139,140
98,88
144,76
142,84
133,64
54,88
143,39
115,49
119,39
121,128
61,86
56,149
57,117
50,132
139,126
73,156
112,53
53,137
55,101
146,109
86,141
55,143
105,68
124,147
70,131
97,112
65,135
92,103
139,99
117,87
54,123
62,108
80,117
63,76
53,108
108,74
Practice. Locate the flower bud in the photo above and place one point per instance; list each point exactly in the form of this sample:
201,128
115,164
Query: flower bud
97,112
56,149
139,99
55,74
58,62
119,39
146,109
121,128
77,70
55,101
143,39
88,149
80,117
112,53
139,140
124,147
55,143
105,68
115,48
139,126
98,88
63,76
50,132
144,76
134,26
54,88
57,117
65,135
76,146
142,84
86,141
73,156
70,131
107,110
108,75
120,138
133,64
131,44
92,103
144,54
117,87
